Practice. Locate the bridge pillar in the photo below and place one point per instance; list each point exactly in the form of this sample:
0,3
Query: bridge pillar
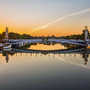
6,34
86,36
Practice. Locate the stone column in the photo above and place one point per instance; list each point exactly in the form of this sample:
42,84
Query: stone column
6,36
86,37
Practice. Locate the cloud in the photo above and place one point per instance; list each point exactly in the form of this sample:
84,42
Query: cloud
60,19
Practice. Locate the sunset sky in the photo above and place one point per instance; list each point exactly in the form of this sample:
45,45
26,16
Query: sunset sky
24,16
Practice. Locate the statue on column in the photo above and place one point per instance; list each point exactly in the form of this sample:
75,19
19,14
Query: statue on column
6,33
86,35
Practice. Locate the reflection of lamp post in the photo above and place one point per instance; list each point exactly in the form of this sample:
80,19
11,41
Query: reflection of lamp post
85,56
7,57
64,55
85,62
49,54
31,54
59,54
36,54
41,54
54,55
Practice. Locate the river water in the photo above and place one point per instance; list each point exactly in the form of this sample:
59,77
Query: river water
68,70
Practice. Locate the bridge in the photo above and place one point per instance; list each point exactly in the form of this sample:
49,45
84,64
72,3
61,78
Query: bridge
23,42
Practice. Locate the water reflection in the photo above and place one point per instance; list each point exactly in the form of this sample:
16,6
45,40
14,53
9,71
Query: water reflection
27,69
47,46
84,52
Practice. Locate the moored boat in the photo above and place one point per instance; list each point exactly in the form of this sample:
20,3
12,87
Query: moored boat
7,47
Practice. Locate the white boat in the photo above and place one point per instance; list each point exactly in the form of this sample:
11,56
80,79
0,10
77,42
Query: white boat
7,46
7,49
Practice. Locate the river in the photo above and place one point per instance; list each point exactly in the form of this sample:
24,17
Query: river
45,71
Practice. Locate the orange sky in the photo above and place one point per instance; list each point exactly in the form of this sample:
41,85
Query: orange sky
23,17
